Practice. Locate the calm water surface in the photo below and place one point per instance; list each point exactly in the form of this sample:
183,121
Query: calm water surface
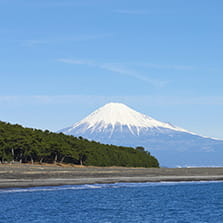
127,202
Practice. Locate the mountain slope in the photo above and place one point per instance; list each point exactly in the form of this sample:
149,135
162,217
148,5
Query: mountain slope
118,124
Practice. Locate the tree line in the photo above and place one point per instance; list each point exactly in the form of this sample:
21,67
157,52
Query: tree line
19,144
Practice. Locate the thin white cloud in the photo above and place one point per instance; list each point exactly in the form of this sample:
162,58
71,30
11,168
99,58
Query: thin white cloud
131,73
167,66
118,69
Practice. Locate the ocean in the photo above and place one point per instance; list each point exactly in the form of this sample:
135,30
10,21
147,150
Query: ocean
121,202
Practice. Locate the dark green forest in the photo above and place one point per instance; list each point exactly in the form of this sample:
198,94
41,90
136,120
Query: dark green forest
27,145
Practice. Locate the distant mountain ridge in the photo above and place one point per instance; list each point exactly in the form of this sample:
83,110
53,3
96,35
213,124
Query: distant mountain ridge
117,124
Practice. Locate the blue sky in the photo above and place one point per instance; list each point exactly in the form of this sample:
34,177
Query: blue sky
60,60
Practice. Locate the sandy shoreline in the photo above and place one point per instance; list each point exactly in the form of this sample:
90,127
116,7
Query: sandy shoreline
19,175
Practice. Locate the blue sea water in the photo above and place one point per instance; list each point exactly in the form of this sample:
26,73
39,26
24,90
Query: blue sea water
122,202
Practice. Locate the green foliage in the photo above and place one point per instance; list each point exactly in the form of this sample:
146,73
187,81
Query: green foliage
140,148
21,144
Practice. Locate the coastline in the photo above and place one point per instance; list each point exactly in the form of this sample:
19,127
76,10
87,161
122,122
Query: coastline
28,175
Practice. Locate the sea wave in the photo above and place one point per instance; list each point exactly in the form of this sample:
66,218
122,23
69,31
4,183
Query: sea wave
101,186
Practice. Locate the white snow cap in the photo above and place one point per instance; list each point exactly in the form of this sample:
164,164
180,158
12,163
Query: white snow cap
117,113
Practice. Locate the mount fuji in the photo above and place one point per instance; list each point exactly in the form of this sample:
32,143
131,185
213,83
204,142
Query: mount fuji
117,124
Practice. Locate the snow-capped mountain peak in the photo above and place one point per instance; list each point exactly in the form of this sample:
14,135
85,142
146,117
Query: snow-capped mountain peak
116,114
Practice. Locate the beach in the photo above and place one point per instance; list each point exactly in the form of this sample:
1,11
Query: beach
28,175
